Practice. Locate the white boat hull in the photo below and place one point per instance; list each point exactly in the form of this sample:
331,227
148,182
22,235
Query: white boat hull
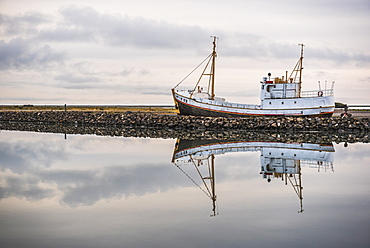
309,106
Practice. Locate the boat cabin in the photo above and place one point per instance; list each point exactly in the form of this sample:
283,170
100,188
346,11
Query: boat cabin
278,88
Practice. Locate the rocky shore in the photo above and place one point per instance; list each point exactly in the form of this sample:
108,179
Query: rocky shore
176,122
245,135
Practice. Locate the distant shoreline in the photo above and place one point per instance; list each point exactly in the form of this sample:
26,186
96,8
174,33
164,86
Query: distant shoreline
170,109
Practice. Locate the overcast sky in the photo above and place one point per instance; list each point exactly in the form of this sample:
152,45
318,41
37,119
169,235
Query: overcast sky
134,52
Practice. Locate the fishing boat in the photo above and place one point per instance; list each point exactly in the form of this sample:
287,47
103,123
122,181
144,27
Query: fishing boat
280,96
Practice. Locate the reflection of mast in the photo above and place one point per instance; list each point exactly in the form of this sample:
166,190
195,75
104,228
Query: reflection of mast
287,170
211,177
297,184
207,165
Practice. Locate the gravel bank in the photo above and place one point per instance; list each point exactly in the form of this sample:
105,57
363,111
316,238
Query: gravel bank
229,135
176,122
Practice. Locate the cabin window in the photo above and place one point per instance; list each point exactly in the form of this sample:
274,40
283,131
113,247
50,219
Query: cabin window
295,102
282,102
270,103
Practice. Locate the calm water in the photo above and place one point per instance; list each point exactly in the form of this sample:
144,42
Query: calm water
91,191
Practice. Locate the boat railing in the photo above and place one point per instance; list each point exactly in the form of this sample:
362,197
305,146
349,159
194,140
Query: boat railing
203,90
238,105
319,165
184,89
317,93
229,104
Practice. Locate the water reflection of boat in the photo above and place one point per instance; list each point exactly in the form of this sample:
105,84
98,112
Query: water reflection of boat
278,160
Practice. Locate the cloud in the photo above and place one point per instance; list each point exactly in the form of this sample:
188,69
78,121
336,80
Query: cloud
125,72
136,86
117,181
81,76
144,72
253,46
30,171
18,157
338,56
367,79
67,34
75,81
25,54
87,25
86,187
84,24
31,99
27,187
27,23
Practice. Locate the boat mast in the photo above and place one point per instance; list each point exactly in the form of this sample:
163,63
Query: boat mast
213,68
301,63
300,70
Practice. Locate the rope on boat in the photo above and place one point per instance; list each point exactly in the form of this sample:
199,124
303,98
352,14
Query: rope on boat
193,70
